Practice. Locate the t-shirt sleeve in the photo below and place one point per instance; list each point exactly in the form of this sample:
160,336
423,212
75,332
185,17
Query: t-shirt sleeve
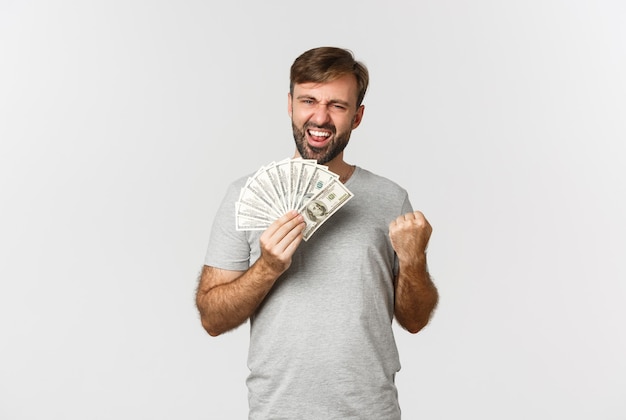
406,208
228,248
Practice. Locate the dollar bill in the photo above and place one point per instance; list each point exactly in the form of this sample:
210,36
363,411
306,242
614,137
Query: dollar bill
247,223
253,195
268,182
323,205
283,172
318,178
290,184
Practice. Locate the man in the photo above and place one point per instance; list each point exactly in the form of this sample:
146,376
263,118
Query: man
321,311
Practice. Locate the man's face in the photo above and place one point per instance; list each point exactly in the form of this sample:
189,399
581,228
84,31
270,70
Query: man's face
323,116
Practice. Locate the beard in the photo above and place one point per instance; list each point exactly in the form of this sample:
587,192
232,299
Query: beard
321,155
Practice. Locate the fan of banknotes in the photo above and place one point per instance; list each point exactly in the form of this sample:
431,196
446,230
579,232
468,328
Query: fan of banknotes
290,184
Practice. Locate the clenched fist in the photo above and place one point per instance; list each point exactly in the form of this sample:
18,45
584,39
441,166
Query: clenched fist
409,235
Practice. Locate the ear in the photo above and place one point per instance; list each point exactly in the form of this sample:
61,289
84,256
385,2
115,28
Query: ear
358,117
289,105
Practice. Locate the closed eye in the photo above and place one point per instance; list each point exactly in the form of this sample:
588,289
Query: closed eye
306,100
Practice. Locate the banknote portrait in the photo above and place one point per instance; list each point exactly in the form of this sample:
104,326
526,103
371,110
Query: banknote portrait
316,210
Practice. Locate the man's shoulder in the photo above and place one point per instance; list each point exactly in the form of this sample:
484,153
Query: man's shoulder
371,179
236,184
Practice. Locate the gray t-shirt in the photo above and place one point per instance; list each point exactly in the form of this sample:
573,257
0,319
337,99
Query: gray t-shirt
321,343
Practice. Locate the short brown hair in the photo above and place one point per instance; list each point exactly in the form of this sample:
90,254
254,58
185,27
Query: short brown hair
324,64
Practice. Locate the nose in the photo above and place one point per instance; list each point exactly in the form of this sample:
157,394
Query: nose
320,114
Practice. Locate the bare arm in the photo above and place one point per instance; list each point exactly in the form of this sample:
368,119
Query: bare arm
226,299
415,294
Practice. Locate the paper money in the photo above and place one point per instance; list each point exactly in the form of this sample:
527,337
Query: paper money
290,184
323,205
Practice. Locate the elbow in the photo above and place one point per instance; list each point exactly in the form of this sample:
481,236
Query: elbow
415,327
210,328
417,321
206,320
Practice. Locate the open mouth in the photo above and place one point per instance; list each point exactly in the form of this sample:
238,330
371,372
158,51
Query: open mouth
318,138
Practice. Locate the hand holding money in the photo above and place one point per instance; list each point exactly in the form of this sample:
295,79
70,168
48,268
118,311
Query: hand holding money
280,241
291,184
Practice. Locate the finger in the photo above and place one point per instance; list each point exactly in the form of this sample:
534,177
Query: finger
293,239
414,221
415,216
400,220
292,229
288,231
418,215
281,221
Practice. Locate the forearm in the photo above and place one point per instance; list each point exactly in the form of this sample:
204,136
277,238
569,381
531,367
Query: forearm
226,306
415,296
226,299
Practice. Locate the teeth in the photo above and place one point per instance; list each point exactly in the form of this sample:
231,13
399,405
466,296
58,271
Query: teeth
319,133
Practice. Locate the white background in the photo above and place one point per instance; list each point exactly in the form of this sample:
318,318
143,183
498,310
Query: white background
121,123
